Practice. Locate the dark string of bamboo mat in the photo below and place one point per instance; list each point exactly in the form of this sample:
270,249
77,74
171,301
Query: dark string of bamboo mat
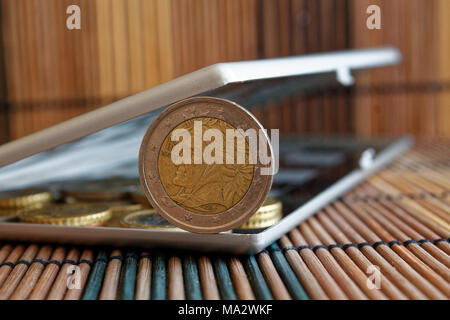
397,222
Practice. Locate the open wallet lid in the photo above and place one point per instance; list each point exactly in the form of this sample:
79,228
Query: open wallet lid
340,64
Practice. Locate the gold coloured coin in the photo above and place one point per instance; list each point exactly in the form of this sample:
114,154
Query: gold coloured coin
146,219
268,215
68,214
204,197
24,198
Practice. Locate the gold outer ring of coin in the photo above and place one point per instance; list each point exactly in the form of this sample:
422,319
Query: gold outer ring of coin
161,127
129,221
24,198
68,214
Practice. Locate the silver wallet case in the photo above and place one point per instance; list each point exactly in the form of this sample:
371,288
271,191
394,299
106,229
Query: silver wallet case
313,171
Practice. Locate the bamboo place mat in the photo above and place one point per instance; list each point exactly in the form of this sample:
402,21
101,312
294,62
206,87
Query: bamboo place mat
396,224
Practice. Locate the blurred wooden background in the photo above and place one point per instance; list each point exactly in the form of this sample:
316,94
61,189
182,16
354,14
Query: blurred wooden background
49,73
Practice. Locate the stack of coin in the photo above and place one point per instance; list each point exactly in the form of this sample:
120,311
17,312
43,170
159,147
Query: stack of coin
68,215
147,219
268,215
13,202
